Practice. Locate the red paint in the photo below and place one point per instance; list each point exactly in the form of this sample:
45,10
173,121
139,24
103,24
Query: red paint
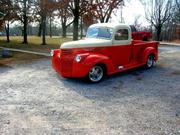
128,56
140,35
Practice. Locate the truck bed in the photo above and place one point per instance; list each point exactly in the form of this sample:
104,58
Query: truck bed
140,42
139,46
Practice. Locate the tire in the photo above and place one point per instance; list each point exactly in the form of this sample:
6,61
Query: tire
150,61
96,74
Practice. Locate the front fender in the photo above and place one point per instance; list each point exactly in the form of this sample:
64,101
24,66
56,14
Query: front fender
94,59
82,68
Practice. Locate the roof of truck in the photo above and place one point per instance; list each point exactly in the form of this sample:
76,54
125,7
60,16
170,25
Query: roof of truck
110,25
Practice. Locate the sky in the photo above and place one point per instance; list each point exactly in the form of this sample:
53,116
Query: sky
130,11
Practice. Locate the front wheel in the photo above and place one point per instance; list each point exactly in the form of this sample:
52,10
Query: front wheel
95,74
150,61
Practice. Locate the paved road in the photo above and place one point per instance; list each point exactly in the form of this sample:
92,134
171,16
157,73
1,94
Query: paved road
35,100
165,49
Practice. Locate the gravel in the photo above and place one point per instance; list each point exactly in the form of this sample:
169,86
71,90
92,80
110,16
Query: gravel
36,100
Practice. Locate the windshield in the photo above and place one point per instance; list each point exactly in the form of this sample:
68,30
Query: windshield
101,32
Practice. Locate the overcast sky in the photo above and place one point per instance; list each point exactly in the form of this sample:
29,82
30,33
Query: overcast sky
130,11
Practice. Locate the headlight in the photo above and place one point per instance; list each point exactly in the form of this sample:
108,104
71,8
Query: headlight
78,58
52,53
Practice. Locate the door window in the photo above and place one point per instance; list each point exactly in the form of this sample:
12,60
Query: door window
121,34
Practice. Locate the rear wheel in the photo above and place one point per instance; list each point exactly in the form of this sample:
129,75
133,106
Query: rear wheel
150,61
95,74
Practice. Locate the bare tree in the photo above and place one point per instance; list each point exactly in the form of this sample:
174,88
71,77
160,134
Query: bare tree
7,6
178,4
158,12
177,11
100,9
74,7
105,8
77,8
177,18
24,13
44,8
136,22
65,16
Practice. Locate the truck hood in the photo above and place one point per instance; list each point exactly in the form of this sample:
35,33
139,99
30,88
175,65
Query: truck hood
88,42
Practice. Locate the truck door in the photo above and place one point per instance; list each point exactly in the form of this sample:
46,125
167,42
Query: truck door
121,52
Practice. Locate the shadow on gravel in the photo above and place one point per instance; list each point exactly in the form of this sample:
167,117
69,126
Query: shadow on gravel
112,87
82,81
133,85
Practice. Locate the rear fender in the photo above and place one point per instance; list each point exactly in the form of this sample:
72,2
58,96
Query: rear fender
147,52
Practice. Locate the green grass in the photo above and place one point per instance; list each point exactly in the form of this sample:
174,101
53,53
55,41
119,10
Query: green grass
34,43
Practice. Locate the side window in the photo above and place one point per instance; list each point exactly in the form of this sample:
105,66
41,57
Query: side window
121,34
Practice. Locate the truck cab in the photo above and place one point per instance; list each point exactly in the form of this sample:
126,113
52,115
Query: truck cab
107,49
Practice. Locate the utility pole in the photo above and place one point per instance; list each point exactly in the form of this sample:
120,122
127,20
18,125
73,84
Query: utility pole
152,8
121,12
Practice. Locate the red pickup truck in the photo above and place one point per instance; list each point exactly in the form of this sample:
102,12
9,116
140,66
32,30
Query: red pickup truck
140,35
107,49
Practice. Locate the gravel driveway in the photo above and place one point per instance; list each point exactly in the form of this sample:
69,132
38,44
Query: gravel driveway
35,100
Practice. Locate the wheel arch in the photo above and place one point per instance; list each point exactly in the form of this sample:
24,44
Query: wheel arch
99,59
148,51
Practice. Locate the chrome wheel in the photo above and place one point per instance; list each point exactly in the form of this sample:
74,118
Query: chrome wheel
95,74
150,61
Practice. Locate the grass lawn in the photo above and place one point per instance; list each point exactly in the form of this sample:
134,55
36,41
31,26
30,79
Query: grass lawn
19,58
34,44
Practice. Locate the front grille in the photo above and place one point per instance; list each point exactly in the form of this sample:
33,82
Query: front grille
67,65
66,60
66,52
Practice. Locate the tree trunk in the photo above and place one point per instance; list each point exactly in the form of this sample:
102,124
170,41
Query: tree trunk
158,33
44,30
81,28
40,28
76,20
7,32
50,27
25,23
64,30
108,16
75,28
102,20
